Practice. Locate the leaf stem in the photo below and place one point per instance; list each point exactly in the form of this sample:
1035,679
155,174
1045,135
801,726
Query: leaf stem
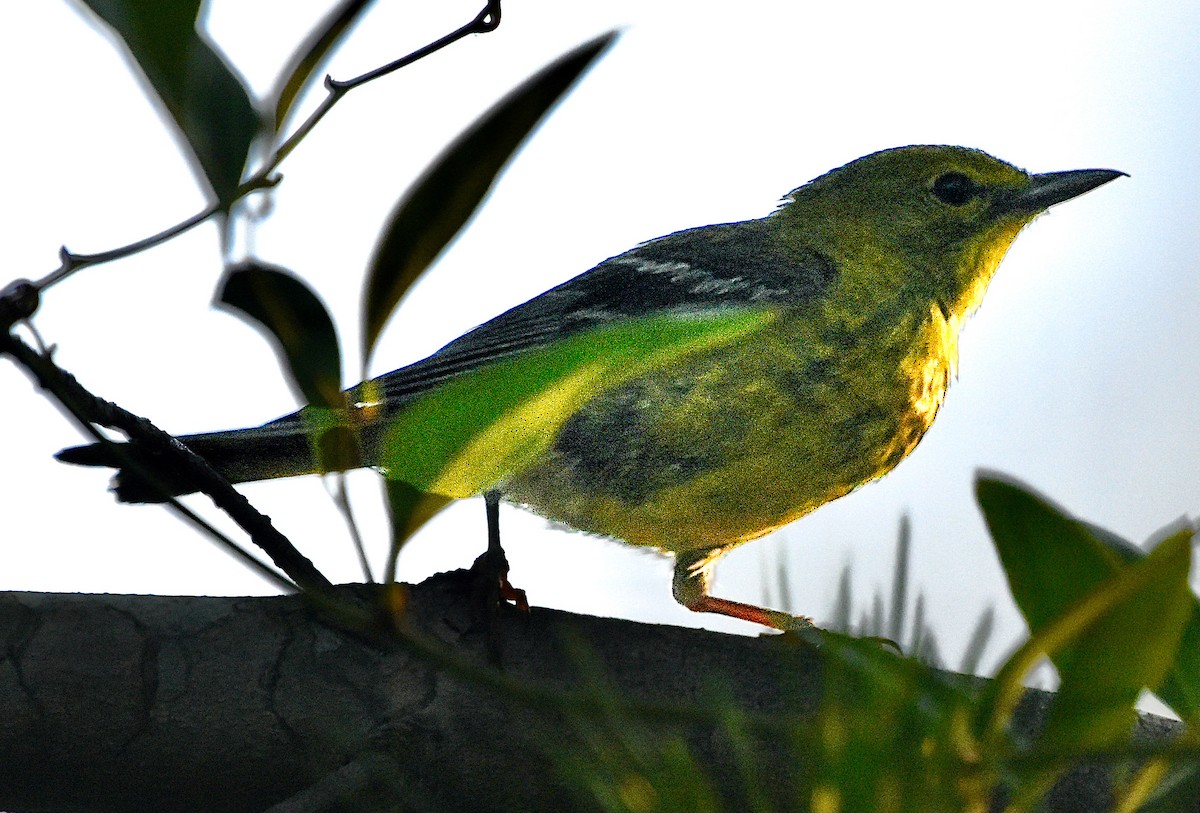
486,20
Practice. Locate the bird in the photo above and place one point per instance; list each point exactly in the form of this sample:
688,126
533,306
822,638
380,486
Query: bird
864,277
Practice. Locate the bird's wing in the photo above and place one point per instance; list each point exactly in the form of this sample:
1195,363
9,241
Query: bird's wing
732,265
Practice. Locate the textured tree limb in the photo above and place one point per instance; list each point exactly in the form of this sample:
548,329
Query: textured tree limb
248,704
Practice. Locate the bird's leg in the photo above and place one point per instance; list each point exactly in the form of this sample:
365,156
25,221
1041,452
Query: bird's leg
491,568
692,580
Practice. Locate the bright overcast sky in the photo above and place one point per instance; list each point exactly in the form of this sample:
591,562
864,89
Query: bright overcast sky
1080,375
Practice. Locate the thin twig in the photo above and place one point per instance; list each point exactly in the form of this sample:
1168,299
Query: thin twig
71,262
341,498
90,410
486,20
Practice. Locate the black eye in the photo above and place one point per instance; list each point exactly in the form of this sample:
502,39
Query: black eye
953,188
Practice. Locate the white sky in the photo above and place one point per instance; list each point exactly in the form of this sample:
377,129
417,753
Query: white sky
1080,375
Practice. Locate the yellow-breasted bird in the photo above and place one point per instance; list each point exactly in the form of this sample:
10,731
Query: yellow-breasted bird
869,272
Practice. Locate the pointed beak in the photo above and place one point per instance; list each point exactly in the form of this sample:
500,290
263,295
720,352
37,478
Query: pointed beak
1049,188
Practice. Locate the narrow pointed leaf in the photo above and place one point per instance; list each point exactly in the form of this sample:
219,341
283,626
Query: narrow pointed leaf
409,509
205,99
296,324
477,430
977,643
447,195
843,603
311,54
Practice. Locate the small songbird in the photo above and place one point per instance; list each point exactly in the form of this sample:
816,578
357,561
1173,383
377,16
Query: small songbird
867,272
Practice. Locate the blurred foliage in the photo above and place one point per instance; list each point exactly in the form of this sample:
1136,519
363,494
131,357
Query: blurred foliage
895,733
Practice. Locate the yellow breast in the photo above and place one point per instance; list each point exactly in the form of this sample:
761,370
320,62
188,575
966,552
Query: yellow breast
732,444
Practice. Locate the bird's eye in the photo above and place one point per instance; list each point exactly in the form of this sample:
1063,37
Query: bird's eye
953,188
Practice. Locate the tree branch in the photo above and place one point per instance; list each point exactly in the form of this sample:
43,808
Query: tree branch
232,704
88,409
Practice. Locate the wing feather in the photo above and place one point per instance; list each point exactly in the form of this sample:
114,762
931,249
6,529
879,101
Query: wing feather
731,265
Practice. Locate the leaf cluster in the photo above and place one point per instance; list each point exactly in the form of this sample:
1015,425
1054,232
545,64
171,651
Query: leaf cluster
893,733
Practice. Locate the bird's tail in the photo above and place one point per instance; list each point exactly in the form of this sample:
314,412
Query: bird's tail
281,449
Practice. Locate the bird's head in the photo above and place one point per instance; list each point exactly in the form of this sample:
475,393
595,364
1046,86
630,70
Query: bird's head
926,225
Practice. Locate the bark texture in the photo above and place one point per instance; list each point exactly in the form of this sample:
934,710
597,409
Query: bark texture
112,703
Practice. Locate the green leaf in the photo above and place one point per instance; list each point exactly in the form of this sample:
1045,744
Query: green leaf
1111,628
206,100
409,509
1050,560
478,429
436,208
333,439
1181,688
1130,647
296,324
890,733
311,54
